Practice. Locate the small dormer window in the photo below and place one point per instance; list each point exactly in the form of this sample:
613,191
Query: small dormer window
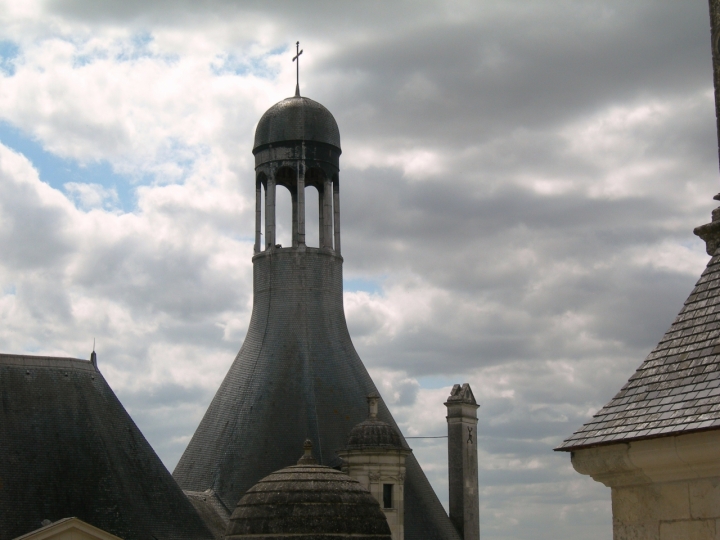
387,495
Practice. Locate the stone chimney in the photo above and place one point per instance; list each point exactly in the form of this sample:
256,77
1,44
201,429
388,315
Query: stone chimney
462,461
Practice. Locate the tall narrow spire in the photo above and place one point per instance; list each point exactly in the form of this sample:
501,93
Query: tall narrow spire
93,356
297,68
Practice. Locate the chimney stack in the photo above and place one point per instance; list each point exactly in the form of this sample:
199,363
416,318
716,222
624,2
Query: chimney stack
462,461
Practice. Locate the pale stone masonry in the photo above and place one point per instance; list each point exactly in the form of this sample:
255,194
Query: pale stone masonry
463,461
662,489
375,457
68,529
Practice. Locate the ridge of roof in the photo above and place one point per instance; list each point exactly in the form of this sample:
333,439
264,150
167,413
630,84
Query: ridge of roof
66,524
58,362
676,390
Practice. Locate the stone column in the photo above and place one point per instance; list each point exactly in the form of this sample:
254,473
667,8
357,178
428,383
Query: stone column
294,197
327,214
336,208
300,204
258,214
462,462
270,212
321,221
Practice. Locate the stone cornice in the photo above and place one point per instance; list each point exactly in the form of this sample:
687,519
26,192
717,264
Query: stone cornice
665,459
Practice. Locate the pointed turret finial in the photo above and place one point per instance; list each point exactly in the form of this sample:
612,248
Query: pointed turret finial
297,68
93,356
462,394
307,458
372,400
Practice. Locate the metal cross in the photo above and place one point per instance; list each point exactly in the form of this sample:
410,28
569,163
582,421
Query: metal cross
297,68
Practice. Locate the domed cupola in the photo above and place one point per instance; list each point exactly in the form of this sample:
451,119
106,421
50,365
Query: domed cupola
297,144
309,501
296,119
373,432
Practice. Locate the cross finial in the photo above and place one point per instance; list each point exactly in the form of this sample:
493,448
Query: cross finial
297,68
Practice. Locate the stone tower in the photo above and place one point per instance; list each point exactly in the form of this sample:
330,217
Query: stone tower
375,456
297,375
463,461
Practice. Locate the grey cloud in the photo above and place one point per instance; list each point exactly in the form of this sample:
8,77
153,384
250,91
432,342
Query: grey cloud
32,235
491,91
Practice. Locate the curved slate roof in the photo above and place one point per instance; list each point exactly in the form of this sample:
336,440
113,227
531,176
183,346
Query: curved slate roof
677,388
297,119
308,500
373,432
69,448
297,376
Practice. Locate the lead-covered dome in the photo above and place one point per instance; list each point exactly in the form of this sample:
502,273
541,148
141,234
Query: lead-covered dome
308,501
375,433
297,119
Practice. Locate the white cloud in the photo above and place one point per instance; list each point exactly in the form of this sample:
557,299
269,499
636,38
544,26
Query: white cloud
89,196
524,198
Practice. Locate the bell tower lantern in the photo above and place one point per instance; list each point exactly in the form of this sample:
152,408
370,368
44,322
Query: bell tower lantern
297,144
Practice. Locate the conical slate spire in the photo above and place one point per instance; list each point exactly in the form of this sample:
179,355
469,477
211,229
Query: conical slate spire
297,375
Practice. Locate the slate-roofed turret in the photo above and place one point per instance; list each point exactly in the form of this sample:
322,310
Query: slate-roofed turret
68,449
297,374
676,390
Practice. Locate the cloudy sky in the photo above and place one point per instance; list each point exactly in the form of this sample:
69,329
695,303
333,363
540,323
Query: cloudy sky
520,185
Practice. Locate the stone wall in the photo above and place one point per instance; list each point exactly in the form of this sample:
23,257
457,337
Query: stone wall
662,489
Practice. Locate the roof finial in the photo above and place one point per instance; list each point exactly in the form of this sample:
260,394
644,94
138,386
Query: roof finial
93,356
297,68
372,400
307,458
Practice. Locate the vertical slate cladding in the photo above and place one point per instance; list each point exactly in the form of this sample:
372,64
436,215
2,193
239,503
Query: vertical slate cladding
297,376
68,448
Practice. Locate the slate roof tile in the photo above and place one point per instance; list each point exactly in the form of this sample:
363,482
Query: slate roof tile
677,387
69,448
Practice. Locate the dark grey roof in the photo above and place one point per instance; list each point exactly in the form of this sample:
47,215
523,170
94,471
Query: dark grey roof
373,433
297,119
212,511
308,501
296,376
677,388
68,448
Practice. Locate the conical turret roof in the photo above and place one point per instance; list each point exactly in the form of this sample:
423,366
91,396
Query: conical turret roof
296,376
